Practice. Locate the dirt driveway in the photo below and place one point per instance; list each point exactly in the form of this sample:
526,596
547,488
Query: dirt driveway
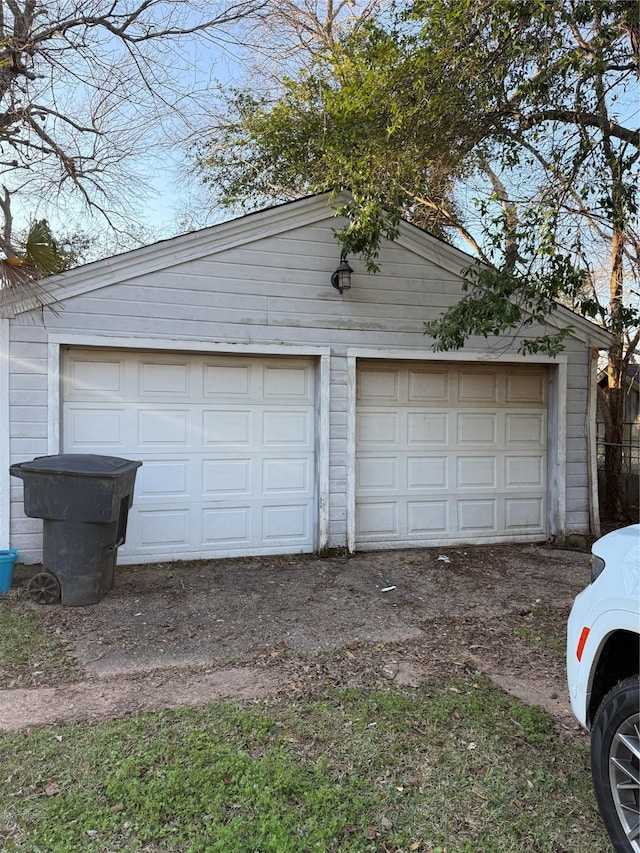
186,633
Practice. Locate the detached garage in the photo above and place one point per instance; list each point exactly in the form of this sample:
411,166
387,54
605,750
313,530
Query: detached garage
274,414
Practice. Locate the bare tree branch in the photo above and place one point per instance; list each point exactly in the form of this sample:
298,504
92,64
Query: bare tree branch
577,117
86,87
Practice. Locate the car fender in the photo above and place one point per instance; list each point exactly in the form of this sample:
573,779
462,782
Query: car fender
610,616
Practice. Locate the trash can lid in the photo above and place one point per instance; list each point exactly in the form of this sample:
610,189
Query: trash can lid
86,464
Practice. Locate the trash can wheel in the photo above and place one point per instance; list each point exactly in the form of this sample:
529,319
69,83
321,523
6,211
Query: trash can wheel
44,588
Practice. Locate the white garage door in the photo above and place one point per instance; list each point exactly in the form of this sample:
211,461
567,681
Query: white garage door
227,446
448,453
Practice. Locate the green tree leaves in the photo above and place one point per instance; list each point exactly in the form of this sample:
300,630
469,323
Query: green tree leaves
449,110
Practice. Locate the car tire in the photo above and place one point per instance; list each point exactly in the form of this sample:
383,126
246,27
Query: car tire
615,751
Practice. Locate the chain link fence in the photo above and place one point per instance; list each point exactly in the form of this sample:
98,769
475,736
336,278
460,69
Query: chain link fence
630,468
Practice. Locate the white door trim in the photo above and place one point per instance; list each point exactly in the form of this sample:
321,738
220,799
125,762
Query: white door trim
557,450
323,354
351,453
592,430
182,345
5,452
323,398
473,356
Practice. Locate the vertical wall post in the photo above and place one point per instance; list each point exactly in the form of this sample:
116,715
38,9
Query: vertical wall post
592,438
351,454
5,438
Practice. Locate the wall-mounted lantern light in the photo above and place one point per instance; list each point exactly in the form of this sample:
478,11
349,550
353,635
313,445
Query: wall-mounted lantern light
341,278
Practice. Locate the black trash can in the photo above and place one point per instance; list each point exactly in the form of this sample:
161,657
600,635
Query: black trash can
84,502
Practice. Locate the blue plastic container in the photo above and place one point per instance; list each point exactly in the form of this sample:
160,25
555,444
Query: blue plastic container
7,559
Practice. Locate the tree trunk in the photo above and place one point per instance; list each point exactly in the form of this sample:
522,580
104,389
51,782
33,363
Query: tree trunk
615,497
615,502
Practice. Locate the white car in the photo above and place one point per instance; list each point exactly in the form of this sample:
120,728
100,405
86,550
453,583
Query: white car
603,666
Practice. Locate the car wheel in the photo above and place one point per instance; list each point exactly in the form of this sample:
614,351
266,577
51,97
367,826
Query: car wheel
615,764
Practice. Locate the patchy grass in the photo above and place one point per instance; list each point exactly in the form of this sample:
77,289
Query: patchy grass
30,655
458,767
543,629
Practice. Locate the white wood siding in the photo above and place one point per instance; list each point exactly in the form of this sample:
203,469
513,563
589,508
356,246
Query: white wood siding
578,378
28,416
270,291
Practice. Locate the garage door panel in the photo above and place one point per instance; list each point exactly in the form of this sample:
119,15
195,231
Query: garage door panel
476,472
380,384
285,523
287,383
526,428
529,387
477,428
425,428
171,427
225,381
478,516
159,478
227,526
377,429
229,469
226,427
163,380
523,471
286,475
94,379
477,387
427,472
432,387
290,428
377,519
378,472
87,427
427,517
223,477
161,527
524,514
465,460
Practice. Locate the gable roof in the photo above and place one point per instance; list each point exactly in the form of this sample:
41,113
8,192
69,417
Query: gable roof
216,238
244,230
